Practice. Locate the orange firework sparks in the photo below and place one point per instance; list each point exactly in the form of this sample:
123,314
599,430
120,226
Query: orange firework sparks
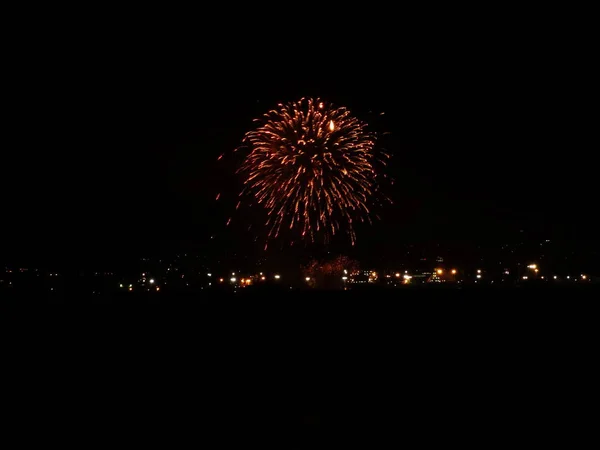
311,165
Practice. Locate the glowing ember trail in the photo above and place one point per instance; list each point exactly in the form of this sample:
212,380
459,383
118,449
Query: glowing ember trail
312,167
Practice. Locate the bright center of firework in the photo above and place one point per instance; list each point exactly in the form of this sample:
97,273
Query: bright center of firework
307,177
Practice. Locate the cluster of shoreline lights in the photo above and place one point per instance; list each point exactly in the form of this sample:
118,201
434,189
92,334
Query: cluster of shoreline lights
246,281
373,276
536,270
151,282
233,280
439,272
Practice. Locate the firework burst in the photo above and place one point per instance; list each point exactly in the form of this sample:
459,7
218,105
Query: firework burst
313,167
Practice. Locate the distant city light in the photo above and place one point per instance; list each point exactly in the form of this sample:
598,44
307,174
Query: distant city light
499,270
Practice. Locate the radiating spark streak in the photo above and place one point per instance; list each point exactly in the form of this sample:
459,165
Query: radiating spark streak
311,166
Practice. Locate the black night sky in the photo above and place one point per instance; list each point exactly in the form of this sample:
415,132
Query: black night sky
115,143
